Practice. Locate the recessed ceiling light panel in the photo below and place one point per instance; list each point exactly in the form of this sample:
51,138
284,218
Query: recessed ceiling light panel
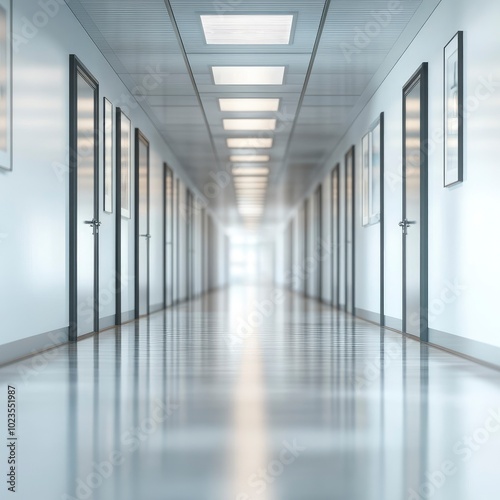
249,124
248,75
250,171
248,105
247,29
250,143
249,158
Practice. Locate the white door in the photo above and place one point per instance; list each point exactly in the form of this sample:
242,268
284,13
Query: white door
349,228
414,220
142,221
84,224
335,237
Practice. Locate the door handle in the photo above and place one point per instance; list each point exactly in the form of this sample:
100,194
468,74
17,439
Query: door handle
148,236
405,224
95,225
93,222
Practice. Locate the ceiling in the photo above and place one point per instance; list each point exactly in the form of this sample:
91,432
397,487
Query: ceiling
158,49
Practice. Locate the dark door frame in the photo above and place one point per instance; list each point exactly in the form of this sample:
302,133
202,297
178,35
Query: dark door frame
76,68
189,245
292,254
177,234
140,137
420,76
118,211
382,220
350,153
168,176
305,285
319,237
202,251
335,244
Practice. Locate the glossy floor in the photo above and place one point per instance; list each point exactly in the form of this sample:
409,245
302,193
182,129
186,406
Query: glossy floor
247,394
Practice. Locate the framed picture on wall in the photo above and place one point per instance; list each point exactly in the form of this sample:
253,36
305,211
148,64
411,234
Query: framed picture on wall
6,84
109,157
453,110
126,166
372,158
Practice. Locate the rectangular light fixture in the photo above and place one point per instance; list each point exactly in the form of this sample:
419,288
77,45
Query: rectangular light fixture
247,29
250,143
251,178
249,158
248,75
242,171
250,184
264,124
249,105
251,209
250,196
261,186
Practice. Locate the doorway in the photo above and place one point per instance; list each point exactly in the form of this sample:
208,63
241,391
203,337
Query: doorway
142,230
335,242
84,201
414,223
169,234
349,231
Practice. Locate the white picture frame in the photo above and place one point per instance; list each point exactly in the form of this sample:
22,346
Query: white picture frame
453,99
109,155
6,85
371,167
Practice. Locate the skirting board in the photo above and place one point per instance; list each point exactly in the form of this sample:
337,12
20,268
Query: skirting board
470,348
128,316
156,308
462,346
395,324
105,323
368,316
23,348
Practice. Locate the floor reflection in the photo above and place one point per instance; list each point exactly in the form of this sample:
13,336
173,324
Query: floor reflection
251,395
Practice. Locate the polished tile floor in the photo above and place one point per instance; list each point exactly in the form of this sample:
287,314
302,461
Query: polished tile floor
251,394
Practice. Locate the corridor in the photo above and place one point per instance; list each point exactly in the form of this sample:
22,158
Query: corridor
254,393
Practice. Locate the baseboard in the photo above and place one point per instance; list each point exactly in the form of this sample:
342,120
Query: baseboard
105,323
367,315
128,316
19,349
393,323
470,348
156,308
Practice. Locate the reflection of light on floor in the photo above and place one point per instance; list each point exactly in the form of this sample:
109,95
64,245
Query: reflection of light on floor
249,442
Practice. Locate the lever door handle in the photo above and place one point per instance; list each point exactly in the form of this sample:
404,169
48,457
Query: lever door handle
405,223
95,225
93,222
148,236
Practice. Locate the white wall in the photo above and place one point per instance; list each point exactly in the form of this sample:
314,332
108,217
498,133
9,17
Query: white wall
34,197
463,237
